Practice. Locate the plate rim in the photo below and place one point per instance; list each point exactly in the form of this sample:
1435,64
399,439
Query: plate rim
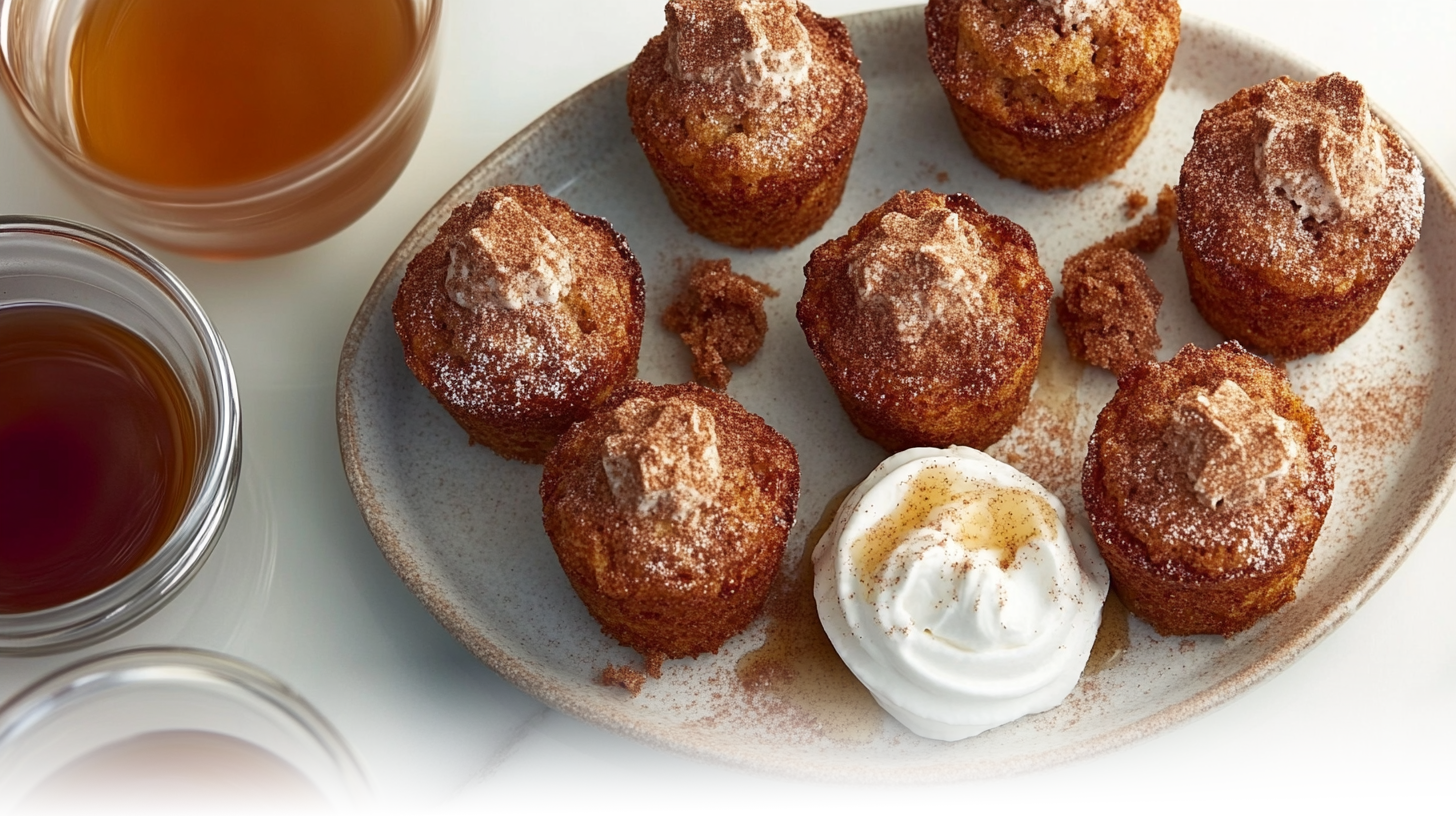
1406,535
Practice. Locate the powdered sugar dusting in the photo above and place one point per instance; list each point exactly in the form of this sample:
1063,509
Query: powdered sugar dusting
510,260
922,271
756,48
664,457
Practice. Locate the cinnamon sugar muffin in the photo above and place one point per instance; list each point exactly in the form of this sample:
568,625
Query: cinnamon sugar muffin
928,318
748,112
1207,481
1055,93
520,317
668,508
1296,206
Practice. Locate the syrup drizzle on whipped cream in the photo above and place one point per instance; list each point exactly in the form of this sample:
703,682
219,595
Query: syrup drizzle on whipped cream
758,49
951,587
509,261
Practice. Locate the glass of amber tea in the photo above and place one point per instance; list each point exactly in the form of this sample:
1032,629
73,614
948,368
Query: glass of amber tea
120,437
171,731
223,129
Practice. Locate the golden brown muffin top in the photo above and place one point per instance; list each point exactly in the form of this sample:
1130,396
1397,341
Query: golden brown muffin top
677,480
751,87
1214,464
519,304
928,288
1300,185
1053,68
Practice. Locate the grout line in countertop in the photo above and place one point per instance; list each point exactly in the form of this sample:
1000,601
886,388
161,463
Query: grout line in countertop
500,756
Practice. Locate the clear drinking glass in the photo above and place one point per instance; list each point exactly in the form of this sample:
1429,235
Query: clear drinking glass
288,210
50,262
201,712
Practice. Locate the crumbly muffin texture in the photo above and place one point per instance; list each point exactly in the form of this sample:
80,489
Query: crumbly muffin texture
1296,208
719,314
669,508
1207,482
1109,309
927,318
520,317
749,112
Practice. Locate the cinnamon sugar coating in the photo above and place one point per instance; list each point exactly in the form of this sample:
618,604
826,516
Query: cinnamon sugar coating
520,317
679,556
1296,208
1109,309
1207,481
927,318
749,112
1052,99
719,315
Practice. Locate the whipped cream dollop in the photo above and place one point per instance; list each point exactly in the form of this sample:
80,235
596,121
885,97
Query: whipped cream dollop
1232,447
951,587
509,261
1075,12
920,271
756,48
663,457
1317,146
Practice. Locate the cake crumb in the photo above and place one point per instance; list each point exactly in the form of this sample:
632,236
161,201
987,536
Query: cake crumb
654,664
624,677
1151,232
1109,309
1136,200
719,315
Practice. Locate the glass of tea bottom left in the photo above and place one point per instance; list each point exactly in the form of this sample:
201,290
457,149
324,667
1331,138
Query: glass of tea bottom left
120,435
171,731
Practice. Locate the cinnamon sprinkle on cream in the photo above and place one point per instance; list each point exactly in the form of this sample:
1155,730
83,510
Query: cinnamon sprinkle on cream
1232,448
663,458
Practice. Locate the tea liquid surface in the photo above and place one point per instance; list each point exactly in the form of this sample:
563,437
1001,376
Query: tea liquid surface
207,93
165,772
97,452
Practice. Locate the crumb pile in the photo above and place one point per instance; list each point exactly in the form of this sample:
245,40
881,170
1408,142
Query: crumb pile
719,315
1109,306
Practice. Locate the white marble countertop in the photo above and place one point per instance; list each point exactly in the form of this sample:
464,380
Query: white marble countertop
298,587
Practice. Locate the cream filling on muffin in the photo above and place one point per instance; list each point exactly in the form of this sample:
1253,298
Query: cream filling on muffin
663,457
508,261
1317,147
921,272
1233,448
950,585
758,48
1075,12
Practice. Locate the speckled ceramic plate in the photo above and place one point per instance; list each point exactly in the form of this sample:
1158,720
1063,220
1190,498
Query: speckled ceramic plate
463,527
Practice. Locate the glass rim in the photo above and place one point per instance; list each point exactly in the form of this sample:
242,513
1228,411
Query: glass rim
304,174
161,666
133,597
